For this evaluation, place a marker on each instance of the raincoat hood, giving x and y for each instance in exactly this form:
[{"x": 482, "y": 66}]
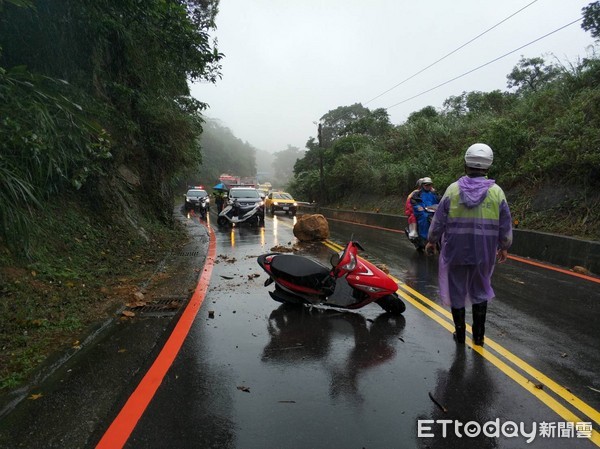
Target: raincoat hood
[{"x": 474, "y": 190}]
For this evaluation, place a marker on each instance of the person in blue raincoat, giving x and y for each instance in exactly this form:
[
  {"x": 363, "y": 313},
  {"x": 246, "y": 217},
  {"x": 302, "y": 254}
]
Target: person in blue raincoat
[
  {"x": 474, "y": 225},
  {"x": 421, "y": 199}
]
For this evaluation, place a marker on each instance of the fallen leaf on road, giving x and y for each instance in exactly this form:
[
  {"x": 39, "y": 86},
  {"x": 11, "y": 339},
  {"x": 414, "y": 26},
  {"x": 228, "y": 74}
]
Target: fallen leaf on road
[
  {"x": 133, "y": 305},
  {"x": 244, "y": 389},
  {"x": 281, "y": 249},
  {"x": 36, "y": 396},
  {"x": 226, "y": 277},
  {"x": 580, "y": 270},
  {"x": 539, "y": 386},
  {"x": 128, "y": 313},
  {"x": 383, "y": 267}
]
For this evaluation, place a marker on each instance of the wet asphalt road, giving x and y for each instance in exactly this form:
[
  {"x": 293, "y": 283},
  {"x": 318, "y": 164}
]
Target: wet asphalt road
[
  {"x": 259, "y": 374},
  {"x": 263, "y": 375}
]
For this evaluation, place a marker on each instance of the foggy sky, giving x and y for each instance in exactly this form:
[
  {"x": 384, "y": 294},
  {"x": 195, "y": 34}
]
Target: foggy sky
[{"x": 288, "y": 62}]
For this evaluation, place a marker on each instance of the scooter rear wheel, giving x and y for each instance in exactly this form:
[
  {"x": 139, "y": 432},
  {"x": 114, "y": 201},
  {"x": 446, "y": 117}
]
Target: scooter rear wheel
[{"x": 392, "y": 304}]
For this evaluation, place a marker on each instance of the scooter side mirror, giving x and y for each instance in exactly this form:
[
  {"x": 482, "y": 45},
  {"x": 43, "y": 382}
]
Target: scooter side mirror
[{"x": 335, "y": 259}]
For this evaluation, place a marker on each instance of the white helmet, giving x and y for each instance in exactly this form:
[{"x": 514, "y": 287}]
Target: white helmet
[
  {"x": 479, "y": 155},
  {"x": 426, "y": 180}
]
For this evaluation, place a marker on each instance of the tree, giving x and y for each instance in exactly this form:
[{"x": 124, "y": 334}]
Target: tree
[
  {"x": 222, "y": 152},
  {"x": 456, "y": 105},
  {"x": 428, "y": 112},
  {"x": 375, "y": 123},
  {"x": 122, "y": 67},
  {"x": 307, "y": 173},
  {"x": 531, "y": 74},
  {"x": 591, "y": 19},
  {"x": 335, "y": 123},
  {"x": 310, "y": 159},
  {"x": 488, "y": 102},
  {"x": 283, "y": 164}
]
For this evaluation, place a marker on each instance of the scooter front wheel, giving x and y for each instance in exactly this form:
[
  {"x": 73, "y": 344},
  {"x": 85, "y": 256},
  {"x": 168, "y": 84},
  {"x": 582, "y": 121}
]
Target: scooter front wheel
[
  {"x": 221, "y": 221},
  {"x": 392, "y": 304}
]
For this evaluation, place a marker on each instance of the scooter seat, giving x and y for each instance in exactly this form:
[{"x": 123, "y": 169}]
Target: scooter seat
[{"x": 300, "y": 270}]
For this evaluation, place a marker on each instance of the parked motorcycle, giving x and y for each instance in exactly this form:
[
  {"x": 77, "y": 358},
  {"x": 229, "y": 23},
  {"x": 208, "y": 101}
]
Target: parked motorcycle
[
  {"x": 197, "y": 199},
  {"x": 239, "y": 212},
  {"x": 420, "y": 240},
  {"x": 203, "y": 207},
  {"x": 351, "y": 283}
]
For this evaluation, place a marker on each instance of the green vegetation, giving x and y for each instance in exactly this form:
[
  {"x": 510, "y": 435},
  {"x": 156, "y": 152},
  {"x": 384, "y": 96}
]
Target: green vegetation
[
  {"x": 96, "y": 127},
  {"x": 95, "y": 86},
  {"x": 222, "y": 152},
  {"x": 82, "y": 267},
  {"x": 545, "y": 133}
]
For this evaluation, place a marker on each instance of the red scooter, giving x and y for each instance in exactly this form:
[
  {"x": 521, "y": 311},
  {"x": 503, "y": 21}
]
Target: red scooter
[{"x": 351, "y": 283}]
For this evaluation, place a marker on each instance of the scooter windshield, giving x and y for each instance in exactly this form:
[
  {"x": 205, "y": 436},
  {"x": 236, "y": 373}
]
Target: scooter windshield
[{"x": 347, "y": 261}]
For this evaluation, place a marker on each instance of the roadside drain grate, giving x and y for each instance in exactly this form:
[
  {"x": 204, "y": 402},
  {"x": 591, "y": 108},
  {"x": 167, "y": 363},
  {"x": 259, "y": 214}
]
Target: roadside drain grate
[
  {"x": 189, "y": 254},
  {"x": 166, "y": 306}
]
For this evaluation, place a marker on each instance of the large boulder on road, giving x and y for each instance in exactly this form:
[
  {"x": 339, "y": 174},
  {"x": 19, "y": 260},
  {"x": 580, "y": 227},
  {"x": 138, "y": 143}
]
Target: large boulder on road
[{"x": 311, "y": 227}]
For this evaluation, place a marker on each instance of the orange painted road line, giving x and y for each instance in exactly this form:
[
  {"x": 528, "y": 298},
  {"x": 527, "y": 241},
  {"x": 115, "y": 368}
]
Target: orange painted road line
[
  {"x": 510, "y": 256},
  {"x": 366, "y": 225},
  {"x": 121, "y": 428},
  {"x": 550, "y": 267}
]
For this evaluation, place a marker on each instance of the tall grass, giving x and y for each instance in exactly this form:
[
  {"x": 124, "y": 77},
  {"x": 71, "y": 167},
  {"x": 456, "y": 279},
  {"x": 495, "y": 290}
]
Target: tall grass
[{"x": 46, "y": 143}]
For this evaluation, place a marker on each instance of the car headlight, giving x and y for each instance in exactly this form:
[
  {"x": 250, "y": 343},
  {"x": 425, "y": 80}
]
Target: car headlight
[
  {"x": 275, "y": 203},
  {"x": 295, "y": 204}
]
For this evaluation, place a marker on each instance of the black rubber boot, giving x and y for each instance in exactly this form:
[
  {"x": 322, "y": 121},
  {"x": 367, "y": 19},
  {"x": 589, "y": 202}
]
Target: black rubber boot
[
  {"x": 479, "y": 311},
  {"x": 458, "y": 315}
]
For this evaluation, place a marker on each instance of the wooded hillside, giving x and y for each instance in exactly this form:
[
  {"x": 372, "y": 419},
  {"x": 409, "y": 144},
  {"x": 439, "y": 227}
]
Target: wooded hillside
[
  {"x": 96, "y": 128},
  {"x": 544, "y": 130},
  {"x": 93, "y": 89}
]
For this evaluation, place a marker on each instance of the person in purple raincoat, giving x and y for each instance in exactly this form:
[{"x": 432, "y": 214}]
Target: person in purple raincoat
[{"x": 474, "y": 226}]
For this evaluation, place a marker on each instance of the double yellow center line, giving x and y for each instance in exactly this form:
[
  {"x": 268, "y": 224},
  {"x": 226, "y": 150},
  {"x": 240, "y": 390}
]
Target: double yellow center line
[{"x": 514, "y": 367}]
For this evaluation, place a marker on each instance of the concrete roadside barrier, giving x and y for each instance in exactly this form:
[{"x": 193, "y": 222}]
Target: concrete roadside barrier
[{"x": 552, "y": 248}]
